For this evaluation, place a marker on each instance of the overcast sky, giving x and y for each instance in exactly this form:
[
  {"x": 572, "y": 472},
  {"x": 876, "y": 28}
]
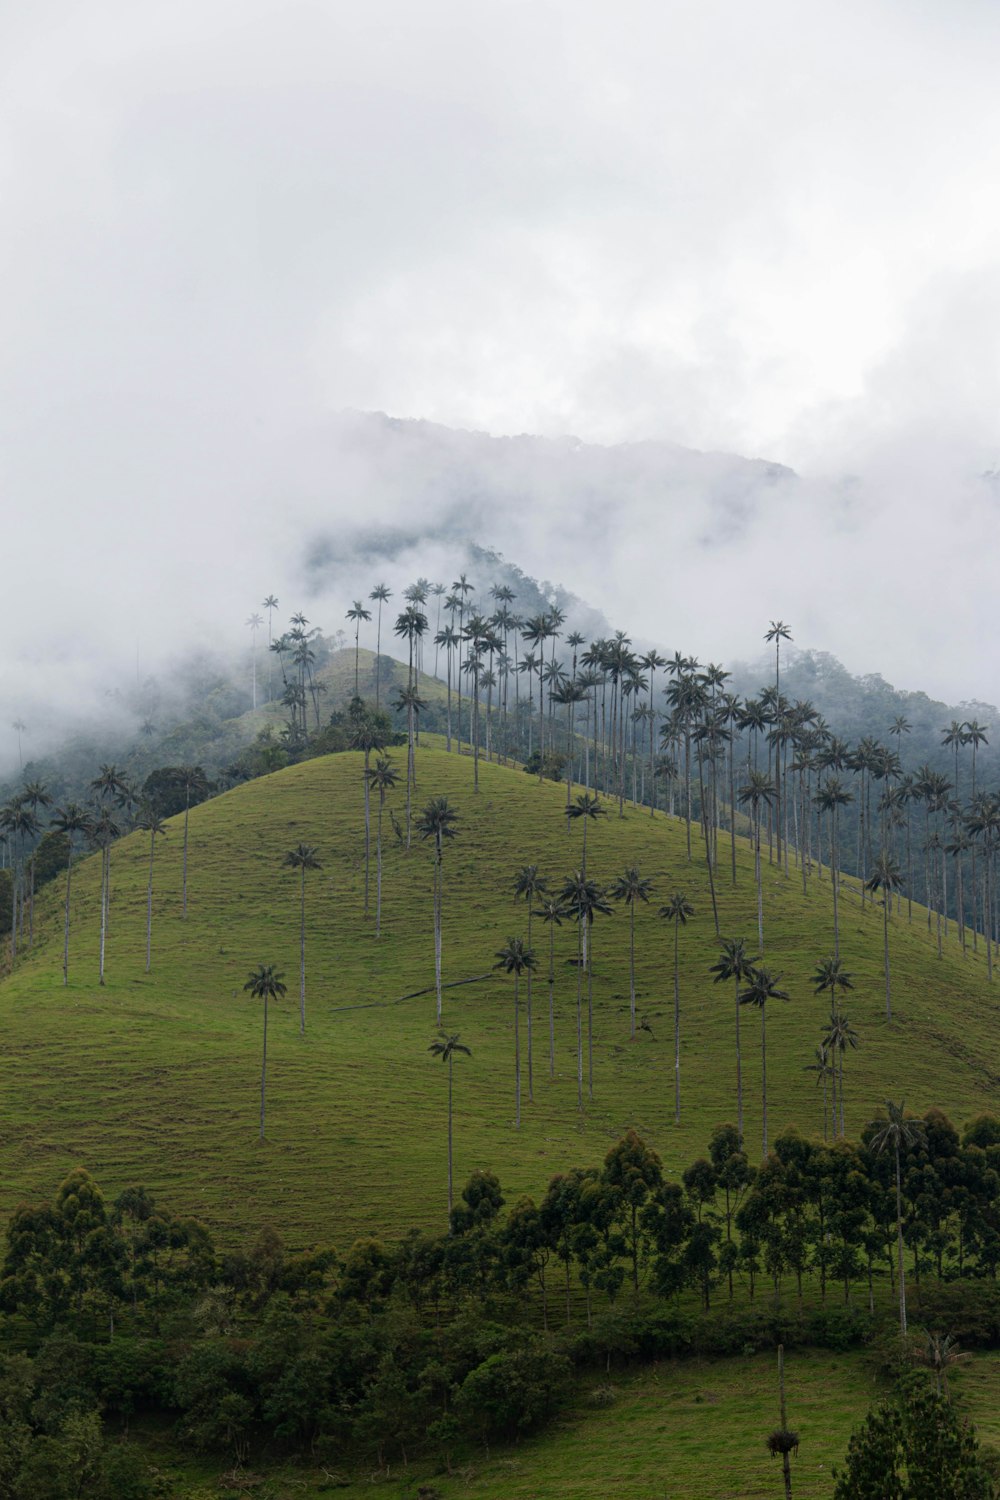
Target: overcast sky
[{"x": 768, "y": 228}]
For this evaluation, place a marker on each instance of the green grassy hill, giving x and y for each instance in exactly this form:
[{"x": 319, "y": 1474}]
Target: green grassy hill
[{"x": 155, "y": 1078}]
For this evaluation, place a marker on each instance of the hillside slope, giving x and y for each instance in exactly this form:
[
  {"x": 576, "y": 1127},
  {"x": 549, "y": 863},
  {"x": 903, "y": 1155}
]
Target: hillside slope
[{"x": 155, "y": 1078}]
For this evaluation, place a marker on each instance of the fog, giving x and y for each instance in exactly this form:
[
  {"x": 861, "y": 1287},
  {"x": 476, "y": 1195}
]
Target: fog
[{"x": 768, "y": 232}]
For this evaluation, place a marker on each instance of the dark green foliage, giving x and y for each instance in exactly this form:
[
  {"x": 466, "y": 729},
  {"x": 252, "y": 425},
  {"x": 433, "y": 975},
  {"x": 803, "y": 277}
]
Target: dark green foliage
[
  {"x": 514, "y": 1390},
  {"x": 49, "y": 859},
  {"x": 169, "y": 789},
  {"x": 914, "y": 1447}
]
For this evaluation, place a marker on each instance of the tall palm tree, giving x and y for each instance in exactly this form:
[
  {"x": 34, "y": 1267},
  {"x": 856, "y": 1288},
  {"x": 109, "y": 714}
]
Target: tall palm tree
[
  {"x": 530, "y": 886},
  {"x": 587, "y": 809},
  {"x": 552, "y": 913},
  {"x": 436, "y": 822},
  {"x": 761, "y": 987},
  {"x": 149, "y": 821},
  {"x": 382, "y": 777},
  {"x": 584, "y": 900},
  {"x": 302, "y": 858},
  {"x": 631, "y": 887},
  {"x": 357, "y": 613},
  {"x": 831, "y": 797},
  {"x": 270, "y": 604},
  {"x": 736, "y": 964},
  {"x": 886, "y": 878},
  {"x": 34, "y": 795},
  {"x": 70, "y": 820},
  {"x": 777, "y": 633},
  {"x": 677, "y": 910},
  {"x": 255, "y": 622},
  {"x": 411, "y": 700},
  {"x": 840, "y": 1035},
  {"x": 105, "y": 828},
  {"x": 517, "y": 959},
  {"x": 448, "y": 638},
  {"x": 369, "y": 732},
  {"x": 380, "y": 594},
  {"x": 446, "y": 1049},
  {"x": 264, "y": 984},
  {"x": 897, "y": 1133},
  {"x": 757, "y": 793},
  {"x": 824, "y": 1070}
]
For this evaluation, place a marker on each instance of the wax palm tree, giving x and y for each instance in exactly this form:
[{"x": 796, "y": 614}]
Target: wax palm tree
[
  {"x": 380, "y": 594},
  {"x": 270, "y": 604},
  {"x": 757, "y": 793},
  {"x": 357, "y": 613},
  {"x": 264, "y": 984},
  {"x": 530, "y": 886},
  {"x": 254, "y": 622},
  {"x": 940, "y": 1352},
  {"x": 34, "y": 795},
  {"x": 584, "y": 900},
  {"x": 777, "y": 633},
  {"x": 829, "y": 977},
  {"x": 447, "y": 1049},
  {"x": 831, "y": 797},
  {"x": 105, "y": 828},
  {"x": 824, "y": 1070},
  {"x": 517, "y": 959},
  {"x": 840, "y": 1036},
  {"x": 70, "y": 820},
  {"x": 410, "y": 700},
  {"x": 436, "y": 822},
  {"x": 552, "y": 912},
  {"x": 302, "y": 858},
  {"x": 149, "y": 821},
  {"x": 382, "y": 777},
  {"x": 677, "y": 910},
  {"x": 762, "y": 986},
  {"x": 631, "y": 887},
  {"x": 735, "y": 964},
  {"x": 587, "y": 809},
  {"x": 887, "y": 879},
  {"x": 897, "y": 1133},
  {"x": 448, "y": 638},
  {"x": 369, "y": 732}
]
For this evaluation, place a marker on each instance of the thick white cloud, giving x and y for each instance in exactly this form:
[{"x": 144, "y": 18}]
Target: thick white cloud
[{"x": 768, "y": 228}]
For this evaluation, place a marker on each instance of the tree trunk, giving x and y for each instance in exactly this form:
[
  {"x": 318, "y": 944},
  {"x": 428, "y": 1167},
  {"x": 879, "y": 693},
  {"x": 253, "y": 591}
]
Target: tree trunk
[
  {"x": 677, "y": 1030},
  {"x": 149, "y": 904},
  {"x": 302, "y": 954},
  {"x": 69, "y": 871},
  {"x": 517, "y": 1054},
  {"x": 263, "y": 1072}
]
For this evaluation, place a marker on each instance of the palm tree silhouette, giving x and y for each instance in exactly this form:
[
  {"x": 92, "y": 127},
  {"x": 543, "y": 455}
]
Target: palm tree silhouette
[
  {"x": 270, "y": 604},
  {"x": 357, "y": 613},
  {"x": 383, "y": 778},
  {"x": 446, "y": 1049},
  {"x": 264, "y": 984},
  {"x": 777, "y": 633},
  {"x": 435, "y": 822},
  {"x": 70, "y": 820},
  {"x": 380, "y": 594},
  {"x": 150, "y": 822},
  {"x": 584, "y": 900},
  {"x": 897, "y": 1133},
  {"x": 302, "y": 858},
  {"x": 839, "y": 1036},
  {"x": 532, "y": 887},
  {"x": 761, "y": 987},
  {"x": 735, "y": 964},
  {"x": 552, "y": 912},
  {"x": 677, "y": 910},
  {"x": 411, "y": 700},
  {"x": 887, "y": 879},
  {"x": 587, "y": 808},
  {"x": 34, "y": 795},
  {"x": 824, "y": 1070},
  {"x": 631, "y": 887},
  {"x": 830, "y": 798},
  {"x": 757, "y": 794},
  {"x": 515, "y": 958},
  {"x": 195, "y": 784},
  {"x": 255, "y": 622}
]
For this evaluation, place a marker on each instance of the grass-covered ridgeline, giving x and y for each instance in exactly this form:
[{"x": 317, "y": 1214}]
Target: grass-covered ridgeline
[{"x": 155, "y": 1078}]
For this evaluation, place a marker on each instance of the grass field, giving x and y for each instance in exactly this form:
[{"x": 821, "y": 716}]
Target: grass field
[
  {"x": 691, "y": 1430},
  {"x": 155, "y": 1078}
]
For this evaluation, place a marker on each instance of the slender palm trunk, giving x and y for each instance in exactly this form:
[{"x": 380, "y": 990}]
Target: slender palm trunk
[
  {"x": 451, "y": 1199},
  {"x": 368, "y": 827},
  {"x": 378, "y": 655},
  {"x": 589, "y": 942},
  {"x": 579, "y": 1015},
  {"x": 677, "y": 1027},
  {"x": 887, "y": 898},
  {"x": 552, "y": 1013},
  {"x": 739, "y": 1069},
  {"x": 105, "y": 882},
  {"x": 760, "y": 889},
  {"x": 263, "y": 1072},
  {"x": 531, "y": 1063},
  {"x": 437, "y": 929},
  {"x": 517, "y": 1053},
  {"x": 302, "y": 952},
  {"x": 378, "y": 867},
  {"x": 184, "y": 864}
]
